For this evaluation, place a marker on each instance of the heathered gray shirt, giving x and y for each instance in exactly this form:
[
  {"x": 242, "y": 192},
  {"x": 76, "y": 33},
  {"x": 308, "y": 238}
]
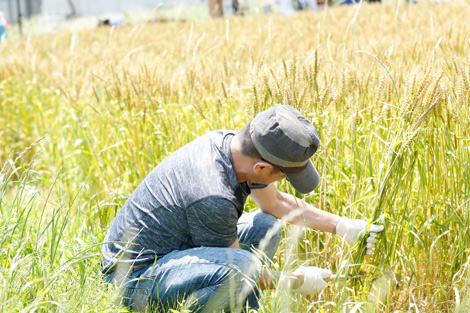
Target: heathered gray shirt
[{"x": 191, "y": 199}]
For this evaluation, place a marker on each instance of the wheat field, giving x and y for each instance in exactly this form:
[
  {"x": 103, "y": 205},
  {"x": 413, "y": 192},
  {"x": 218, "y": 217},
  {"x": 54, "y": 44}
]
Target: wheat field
[{"x": 86, "y": 114}]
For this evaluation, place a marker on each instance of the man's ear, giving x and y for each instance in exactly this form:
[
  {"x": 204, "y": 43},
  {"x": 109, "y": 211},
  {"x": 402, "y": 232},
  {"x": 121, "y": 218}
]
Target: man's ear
[{"x": 261, "y": 165}]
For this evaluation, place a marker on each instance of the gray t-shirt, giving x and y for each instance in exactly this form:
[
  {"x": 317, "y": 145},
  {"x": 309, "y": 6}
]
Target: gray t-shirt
[{"x": 191, "y": 199}]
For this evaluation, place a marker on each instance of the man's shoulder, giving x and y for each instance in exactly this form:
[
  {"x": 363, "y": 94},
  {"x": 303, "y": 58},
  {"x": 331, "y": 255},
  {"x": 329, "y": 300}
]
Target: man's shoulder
[
  {"x": 218, "y": 134},
  {"x": 204, "y": 146},
  {"x": 215, "y": 138},
  {"x": 199, "y": 169}
]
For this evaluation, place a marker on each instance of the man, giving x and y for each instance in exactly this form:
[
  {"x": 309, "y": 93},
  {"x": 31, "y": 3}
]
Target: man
[{"x": 181, "y": 236}]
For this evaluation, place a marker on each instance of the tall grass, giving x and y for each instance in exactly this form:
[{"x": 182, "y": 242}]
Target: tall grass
[
  {"x": 48, "y": 261},
  {"x": 387, "y": 87}
]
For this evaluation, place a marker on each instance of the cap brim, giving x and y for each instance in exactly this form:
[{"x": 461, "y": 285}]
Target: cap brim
[{"x": 306, "y": 180}]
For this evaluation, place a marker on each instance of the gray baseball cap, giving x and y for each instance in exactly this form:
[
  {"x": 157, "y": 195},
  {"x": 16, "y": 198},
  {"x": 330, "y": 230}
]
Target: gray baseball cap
[{"x": 287, "y": 140}]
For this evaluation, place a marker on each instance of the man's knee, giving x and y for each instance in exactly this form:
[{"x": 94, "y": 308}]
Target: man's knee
[
  {"x": 271, "y": 227},
  {"x": 265, "y": 220},
  {"x": 245, "y": 262},
  {"x": 225, "y": 277}
]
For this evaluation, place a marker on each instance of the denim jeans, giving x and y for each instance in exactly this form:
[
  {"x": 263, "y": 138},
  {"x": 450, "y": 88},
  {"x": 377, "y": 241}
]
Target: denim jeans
[{"x": 205, "y": 279}]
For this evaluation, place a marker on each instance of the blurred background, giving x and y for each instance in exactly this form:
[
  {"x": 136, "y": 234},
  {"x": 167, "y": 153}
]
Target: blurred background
[{"x": 44, "y": 15}]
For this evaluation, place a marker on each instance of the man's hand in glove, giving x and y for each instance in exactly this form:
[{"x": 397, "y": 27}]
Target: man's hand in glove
[{"x": 350, "y": 230}]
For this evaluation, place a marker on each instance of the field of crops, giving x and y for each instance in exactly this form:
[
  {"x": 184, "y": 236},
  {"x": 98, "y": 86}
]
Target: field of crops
[{"x": 85, "y": 115}]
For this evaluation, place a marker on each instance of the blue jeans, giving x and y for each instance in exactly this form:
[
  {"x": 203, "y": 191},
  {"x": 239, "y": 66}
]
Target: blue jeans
[{"x": 206, "y": 279}]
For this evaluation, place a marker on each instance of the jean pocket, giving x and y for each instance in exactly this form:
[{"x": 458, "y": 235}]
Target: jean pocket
[{"x": 137, "y": 298}]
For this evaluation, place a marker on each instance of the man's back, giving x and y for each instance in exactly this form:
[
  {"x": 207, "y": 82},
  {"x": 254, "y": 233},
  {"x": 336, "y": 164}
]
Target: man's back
[{"x": 191, "y": 199}]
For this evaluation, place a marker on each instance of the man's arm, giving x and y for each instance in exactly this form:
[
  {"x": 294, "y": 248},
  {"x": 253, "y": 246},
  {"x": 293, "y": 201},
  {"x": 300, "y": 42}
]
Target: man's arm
[
  {"x": 292, "y": 209},
  {"x": 296, "y": 211}
]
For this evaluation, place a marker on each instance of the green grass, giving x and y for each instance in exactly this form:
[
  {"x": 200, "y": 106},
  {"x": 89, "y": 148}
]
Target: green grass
[{"x": 387, "y": 87}]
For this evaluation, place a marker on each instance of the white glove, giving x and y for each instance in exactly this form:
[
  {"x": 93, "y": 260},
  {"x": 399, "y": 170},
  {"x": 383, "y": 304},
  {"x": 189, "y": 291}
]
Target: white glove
[
  {"x": 314, "y": 279},
  {"x": 350, "y": 230}
]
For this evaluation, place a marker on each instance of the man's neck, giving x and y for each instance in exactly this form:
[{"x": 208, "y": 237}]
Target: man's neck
[{"x": 242, "y": 164}]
